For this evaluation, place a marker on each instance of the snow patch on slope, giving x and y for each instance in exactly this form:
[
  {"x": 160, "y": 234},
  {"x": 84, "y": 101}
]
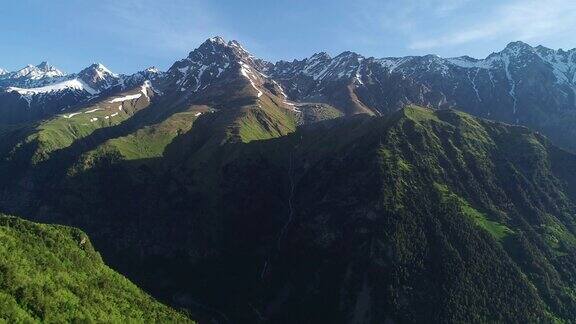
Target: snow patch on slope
[
  {"x": 126, "y": 98},
  {"x": 563, "y": 65},
  {"x": 65, "y": 85},
  {"x": 512, "y": 92},
  {"x": 473, "y": 82},
  {"x": 468, "y": 63},
  {"x": 143, "y": 91},
  {"x": 393, "y": 63},
  {"x": 245, "y": 70}
]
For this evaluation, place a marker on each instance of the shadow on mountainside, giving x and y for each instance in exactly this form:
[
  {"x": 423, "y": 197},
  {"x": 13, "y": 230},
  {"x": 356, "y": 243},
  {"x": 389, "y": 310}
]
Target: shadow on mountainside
[{"x": 399, "y": 217}]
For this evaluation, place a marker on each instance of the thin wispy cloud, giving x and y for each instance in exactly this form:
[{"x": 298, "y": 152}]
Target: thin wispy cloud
[
  {"x": 130, "y": 35},
  {"x": 520, "y": 20},
  {"x": 168, "y": 26},
  {"x": 444, "y": 8},
  {"x": 377, "y": 22}
]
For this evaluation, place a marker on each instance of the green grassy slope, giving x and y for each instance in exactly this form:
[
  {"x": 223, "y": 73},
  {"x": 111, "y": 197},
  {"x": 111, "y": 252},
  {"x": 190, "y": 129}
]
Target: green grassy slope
[
  {"x": 419, "y": 216},
  {"x": 416, "y": 216},
  {"x": 144, "y": 144},
  {"x": 36, "y": 142},
  {"x": 150, "y": 141},
  {"x": 51, "y": 273},
  {"x": 451, "y": 200},
  {"x": 262, "y": 120}
]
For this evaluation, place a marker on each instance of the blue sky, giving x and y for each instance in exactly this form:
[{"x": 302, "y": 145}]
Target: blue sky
[{"x": 130, "y": 35}]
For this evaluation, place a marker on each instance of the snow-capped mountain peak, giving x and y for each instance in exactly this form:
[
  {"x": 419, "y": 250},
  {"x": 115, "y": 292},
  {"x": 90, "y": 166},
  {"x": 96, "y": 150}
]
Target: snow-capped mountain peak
[
  {"x": 214, "y": 60},
  {"x": 2, "y": 71},
  {"x": 518, "y": 46},
  {"x": 40, "y": 71},
  {"x": 219, "y": 66},
  {"x": 98, "y": 77},
  {"x": 45, "y": 66},
  {"x": 152, "y": 69},
  {"x": 101, "y": 71},
  {"x": 150, "y": 74},
  {"x": 218, "y": 46},
  {"x": 321, "y": 56},
  {"x": 237, "y": 44},
  {"x": 321, "y": 66},
  {"x": 563, "y": 63},
  {"x": 217, "y": 40}
]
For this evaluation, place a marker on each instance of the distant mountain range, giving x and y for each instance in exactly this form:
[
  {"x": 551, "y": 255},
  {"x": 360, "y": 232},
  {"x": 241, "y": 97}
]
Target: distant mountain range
[
  {"x": 39, "y": 92},
  {"x": 532, "y": 86},
  {"x": 344, "y": 189}
]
